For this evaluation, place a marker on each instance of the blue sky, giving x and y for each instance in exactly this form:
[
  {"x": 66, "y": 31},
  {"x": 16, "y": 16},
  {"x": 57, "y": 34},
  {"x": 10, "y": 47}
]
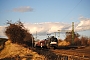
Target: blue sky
[
  {"x": 44, "y": 10},
  {"x": 41, "y": 11}
]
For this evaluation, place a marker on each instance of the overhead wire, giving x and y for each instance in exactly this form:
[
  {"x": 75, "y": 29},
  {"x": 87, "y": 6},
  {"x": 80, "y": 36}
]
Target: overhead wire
[{"x": 72, "y": 9}]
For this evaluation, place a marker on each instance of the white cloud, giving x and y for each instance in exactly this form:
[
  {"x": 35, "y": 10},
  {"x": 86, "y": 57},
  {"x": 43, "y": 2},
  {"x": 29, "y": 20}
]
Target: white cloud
[
  {"x": 84, "y": 24},
  {"x": 2, "y": 30},
  {"x": 51, "y": 27},
  {"x": 23, "y": 9},
  {"x": 47, "y": 27}
]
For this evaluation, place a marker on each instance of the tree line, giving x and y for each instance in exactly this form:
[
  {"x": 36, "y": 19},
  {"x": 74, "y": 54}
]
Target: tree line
[{"x": 78, "y": 40}]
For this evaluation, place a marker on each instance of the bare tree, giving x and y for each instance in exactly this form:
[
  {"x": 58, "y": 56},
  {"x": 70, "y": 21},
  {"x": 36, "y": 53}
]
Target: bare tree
[
  {"x": 17, "y": 33},
  {"x": 84, "y": 40},
  {"x": 69, "y": 37},
  {"x": 88, "y": 41}
]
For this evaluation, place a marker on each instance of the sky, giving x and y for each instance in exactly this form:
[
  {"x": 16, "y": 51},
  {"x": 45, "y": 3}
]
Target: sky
[{"x": 47, "y": 16}]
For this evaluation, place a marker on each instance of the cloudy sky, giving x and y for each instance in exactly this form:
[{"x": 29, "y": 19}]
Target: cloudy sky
[{"x": 47, "y": 16}]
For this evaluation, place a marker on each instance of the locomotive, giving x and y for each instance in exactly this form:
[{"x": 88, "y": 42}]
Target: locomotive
[{"x": 51, "y": 42}]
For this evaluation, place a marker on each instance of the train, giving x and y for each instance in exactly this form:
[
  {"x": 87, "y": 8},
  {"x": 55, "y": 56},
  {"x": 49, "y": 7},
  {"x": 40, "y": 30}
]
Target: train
[{"x": 50, "y": 42}]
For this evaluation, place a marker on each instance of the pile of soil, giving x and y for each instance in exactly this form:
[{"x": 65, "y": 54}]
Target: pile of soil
[{"x": 15, "y": 51}]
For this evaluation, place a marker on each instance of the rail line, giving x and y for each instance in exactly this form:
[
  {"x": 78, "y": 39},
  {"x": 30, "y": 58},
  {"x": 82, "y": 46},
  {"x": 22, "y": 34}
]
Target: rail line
[{"x": 51, "y": 54}]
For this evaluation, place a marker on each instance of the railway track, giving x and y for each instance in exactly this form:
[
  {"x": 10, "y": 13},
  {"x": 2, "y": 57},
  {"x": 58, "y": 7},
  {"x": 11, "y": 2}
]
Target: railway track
[
  {"x": 57, "y": 54},
  {"x": 72, "y": 54},
  {"x": 49, "y": 55}
]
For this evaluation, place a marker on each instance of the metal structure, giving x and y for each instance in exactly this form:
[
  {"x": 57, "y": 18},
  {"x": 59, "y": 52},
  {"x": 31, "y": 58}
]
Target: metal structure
[
  {"x": 61, "y": 31},
  {"x": 52, "y": 41},
  {"x": 72, "y": 32},
  {"x": 36, "y": 35}
]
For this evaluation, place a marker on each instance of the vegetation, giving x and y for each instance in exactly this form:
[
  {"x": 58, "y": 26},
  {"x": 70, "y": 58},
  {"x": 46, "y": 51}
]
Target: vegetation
[
  {"x": 17, "y": 33},
  {"x": 78, "y": 41},
  {"x": 2, "y": 43}
]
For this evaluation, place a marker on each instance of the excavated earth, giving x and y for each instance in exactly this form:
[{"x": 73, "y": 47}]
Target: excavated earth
[{"x": 13, "y": 51}]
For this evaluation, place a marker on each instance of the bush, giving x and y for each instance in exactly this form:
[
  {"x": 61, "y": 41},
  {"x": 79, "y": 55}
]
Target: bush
[{"x": 17, "y": 33}]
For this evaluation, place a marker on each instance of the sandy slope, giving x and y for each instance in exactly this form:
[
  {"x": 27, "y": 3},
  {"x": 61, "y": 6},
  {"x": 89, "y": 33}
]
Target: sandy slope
[{"x": 13, "y": 50}]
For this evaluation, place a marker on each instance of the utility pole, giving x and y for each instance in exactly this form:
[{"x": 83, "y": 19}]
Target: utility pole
[
  {"x": 36, "y": 35},
  {"x": 72, "y": 32},
  {"x": 59, "y": 34},
  {"x": 55, "y": 34}
]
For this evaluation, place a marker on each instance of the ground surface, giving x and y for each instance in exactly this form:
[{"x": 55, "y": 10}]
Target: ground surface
[
  {"x": 57, "y": 54},
  {"x": 77, "y": 52},
  {"x": 15, "y": 51}
]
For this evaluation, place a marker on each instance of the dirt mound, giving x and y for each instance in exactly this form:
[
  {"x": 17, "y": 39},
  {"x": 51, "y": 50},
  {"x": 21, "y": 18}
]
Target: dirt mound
[
  {"x": 63, "y": 43},
  {"x": 14, "y": 50}
]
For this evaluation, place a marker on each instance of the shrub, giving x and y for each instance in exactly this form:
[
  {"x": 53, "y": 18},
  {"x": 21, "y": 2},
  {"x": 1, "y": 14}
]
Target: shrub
[{"x": 17, "y": 33}]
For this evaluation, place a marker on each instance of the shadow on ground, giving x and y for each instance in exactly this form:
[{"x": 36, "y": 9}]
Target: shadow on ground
[{"x": 49, "y": 55}]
